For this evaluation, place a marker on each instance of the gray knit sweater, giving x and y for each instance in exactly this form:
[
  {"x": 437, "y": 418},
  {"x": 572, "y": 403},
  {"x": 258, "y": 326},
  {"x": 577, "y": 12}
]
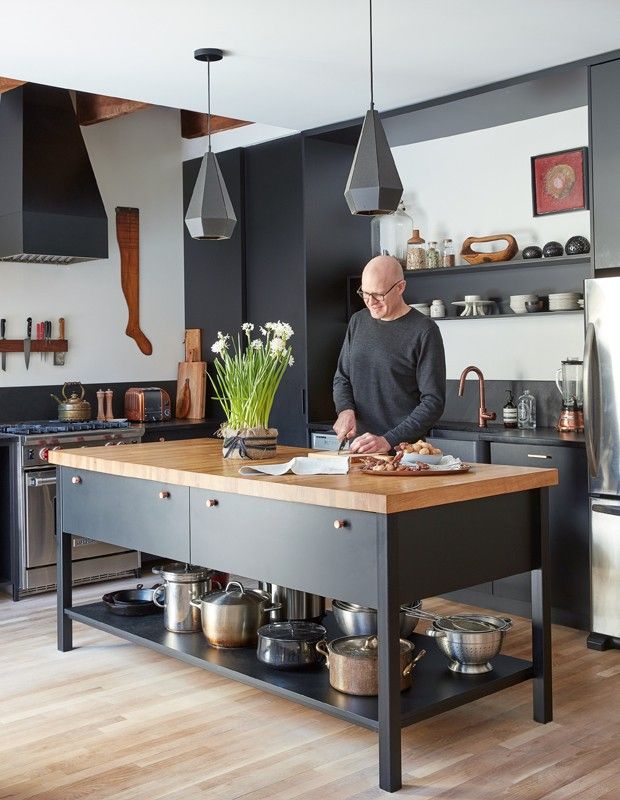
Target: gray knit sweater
[{"x": 393, "y": 375}]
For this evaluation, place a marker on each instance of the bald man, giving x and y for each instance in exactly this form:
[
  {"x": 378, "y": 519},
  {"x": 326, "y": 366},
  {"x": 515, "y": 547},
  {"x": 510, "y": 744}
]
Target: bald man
[{"x": 390, "y": 383}]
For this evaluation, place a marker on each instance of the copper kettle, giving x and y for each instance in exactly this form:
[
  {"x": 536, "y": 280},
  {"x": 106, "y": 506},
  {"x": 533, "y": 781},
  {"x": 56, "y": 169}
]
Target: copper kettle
[{"x": 73, "y": 408}]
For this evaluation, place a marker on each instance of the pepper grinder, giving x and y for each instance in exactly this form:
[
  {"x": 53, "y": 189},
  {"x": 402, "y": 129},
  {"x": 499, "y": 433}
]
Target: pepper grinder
[
  {"x": 109, "y": 414},
  {"x": 100, "y": 405}
]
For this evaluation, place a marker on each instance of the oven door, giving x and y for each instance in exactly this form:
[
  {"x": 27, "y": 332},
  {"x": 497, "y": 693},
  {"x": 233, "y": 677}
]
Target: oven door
[{"x": 40, "y": 497}]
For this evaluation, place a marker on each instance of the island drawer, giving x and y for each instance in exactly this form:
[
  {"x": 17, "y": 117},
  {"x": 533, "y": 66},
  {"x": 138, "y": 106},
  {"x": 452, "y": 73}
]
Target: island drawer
[
  {"x": 327, "y": 551},
  {"x": 130, "y": 512}
]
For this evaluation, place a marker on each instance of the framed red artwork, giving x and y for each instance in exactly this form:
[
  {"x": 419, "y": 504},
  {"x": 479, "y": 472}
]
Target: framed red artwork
[{"x": 559, "y": 182}]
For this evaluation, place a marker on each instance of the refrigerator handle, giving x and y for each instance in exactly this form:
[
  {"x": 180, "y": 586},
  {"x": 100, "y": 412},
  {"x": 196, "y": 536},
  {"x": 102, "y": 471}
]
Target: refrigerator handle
[
  {"x": 599, "y": 509},
  {"x": 591, "y": 399}
]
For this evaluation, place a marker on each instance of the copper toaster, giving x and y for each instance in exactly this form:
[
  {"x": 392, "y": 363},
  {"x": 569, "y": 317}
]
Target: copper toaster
[{"x": 147, "y": 404}]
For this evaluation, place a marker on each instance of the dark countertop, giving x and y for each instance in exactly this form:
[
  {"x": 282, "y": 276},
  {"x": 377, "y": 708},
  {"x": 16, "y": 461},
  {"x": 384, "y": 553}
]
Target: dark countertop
[
  {"x": 494, "y": 432},
  {"x": 176, "y": 424}
]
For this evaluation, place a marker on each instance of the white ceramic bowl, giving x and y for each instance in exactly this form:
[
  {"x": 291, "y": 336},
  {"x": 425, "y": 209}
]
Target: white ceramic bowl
[{"x": 411, "y": 458}]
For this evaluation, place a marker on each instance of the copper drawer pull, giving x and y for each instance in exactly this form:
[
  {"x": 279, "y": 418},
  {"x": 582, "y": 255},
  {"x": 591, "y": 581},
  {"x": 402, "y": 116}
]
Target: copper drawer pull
[
  {"x": 164, "y": 495},
  {"x": 537, "y": 455},
  {"x": 76, "y": 479},
  {"x": 340, "y": 523},
  {"x": 211, "y": 503}
]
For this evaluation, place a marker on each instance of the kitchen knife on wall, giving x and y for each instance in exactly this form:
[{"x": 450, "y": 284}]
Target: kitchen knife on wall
[
  {"x": 3, "y": 336},
  {"x": 27, "y": 341},
  {"x": 59, "y": 358}
]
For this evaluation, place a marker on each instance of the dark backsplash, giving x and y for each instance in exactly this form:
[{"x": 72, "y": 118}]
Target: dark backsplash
[
  {"x": 25, "y": 403},
  {"x": 465, "y": 409}
]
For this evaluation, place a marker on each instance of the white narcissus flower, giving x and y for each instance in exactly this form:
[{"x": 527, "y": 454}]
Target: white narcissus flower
[
  {"x": 248, "y": 327},
  {"x": 221, "y": 344},
  {"x": 276, "y": 346},
  {"x": 256, "y": 344},
  {"x": 291, "y": 361},
  {"x": 263, "y": 331},
  {"x": 270, "y": 326},
  {"x": 283, "y": 330}
]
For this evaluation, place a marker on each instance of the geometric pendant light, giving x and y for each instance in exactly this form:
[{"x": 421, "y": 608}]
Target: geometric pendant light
[
  {"x": 374, "y": 186},
  {"x": 210, "y": 214}
]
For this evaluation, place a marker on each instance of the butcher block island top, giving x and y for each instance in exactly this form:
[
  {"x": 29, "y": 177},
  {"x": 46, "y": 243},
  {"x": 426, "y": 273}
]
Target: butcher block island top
[{"x": 198, "y": 463}]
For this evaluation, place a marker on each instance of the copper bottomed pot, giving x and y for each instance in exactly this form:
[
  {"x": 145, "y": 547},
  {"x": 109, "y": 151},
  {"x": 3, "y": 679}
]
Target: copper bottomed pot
[{"x": 353, "y": 664}]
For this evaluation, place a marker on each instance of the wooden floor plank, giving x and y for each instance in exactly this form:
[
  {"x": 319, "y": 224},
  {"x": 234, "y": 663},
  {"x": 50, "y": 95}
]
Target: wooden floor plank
[{"x": 113, "y": 721}]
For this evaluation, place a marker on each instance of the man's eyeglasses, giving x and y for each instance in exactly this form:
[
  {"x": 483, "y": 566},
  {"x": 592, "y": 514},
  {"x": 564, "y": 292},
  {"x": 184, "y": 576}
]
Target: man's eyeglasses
[{"x": 379, "y": 297}]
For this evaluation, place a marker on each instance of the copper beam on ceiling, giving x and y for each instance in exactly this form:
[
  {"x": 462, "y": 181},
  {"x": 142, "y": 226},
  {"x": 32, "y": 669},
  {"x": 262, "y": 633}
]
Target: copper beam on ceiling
[
  {"x": 94, "y": 108},
  {"x": 6, "y": 84},
  {"x": 194, "y": 124}
]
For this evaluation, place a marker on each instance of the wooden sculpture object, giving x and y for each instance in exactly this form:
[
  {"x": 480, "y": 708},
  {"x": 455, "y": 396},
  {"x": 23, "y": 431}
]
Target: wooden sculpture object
[
  {"x": 128, "y": 237},
  {"x": 474, "y": 257}
]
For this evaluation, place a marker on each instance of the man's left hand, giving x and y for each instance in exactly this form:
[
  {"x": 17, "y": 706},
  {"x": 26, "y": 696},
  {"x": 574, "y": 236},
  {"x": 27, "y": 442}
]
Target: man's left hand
[{"x": 369, "y": 443}]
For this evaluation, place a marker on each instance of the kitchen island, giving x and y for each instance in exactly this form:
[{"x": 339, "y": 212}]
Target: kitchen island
[{"x": 369, "y": 539}]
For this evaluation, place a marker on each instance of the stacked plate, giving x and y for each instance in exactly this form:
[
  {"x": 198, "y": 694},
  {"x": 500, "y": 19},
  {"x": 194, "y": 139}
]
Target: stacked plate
[
  {"x": 564, "y": 301},
  {"x": 518, "y": 301}
]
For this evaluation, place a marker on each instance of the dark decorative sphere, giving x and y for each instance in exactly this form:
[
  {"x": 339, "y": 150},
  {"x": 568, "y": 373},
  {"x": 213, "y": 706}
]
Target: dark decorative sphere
[
  {"x": 552, "y": 249},
  {"x": 532, "y": 252},
  {"x": 577, "y": 245}
]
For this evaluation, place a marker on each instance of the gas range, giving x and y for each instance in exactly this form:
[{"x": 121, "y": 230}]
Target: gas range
[{"x": 37, "y": 438}]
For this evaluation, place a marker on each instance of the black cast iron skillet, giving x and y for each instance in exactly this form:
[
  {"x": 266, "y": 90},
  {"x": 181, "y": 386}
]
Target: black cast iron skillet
[{"x": 132, "y": 602}]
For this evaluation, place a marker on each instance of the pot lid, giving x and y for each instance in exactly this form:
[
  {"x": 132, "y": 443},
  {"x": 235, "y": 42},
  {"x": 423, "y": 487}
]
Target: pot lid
[
  {"x": 235, "y": 595},
  {"x": 296, "y": 631},
  {"x": 178, "y": 572},
  {"x": 469, "y": 623},
  {"x": 362, "y": 646}
]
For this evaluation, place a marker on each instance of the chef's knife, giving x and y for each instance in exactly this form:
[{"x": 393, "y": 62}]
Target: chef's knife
[
  {"x": 48, "y": 333},
  {"x": 3, "y": 336},
  {"x": 27, "y": 341},
  {"x": 59, "y": 358}
]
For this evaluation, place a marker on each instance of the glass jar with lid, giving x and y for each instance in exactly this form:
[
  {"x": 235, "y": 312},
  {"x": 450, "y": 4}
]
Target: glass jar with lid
[
  {"x": 432, "y": 256},
  {"x": 389, "y": 234},
  {"x": 416, "y": 254},
  {"x": 448, "y": 257}
]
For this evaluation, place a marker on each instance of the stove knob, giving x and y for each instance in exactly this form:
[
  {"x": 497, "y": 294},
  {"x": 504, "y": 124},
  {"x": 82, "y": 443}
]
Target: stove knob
[
  {"x": 109, "y": 444},
  {"x": 44, "y": 453},
  {"x": 117, "y": 444}
]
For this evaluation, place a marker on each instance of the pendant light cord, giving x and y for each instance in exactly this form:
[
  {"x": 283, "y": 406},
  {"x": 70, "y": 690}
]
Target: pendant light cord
[
  {"x": 372, "y": 97},
  {"x": 209, "y": 103}
]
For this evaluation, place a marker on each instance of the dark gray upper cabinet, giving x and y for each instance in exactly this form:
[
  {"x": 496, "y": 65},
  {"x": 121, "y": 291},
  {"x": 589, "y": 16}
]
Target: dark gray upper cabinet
[{"x": 605, "y": 163}]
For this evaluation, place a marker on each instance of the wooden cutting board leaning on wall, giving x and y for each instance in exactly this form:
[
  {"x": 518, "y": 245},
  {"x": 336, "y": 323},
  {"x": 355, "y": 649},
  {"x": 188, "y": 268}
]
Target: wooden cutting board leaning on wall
[{"x": 191, "y": 379}]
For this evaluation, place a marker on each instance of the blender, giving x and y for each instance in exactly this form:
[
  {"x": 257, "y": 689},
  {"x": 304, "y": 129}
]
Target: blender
[{"x": 570, "y": 386}]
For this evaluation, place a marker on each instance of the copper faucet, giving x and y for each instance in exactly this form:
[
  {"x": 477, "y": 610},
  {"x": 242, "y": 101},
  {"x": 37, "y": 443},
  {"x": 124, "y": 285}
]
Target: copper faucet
[{"x": 483, "y": 414}]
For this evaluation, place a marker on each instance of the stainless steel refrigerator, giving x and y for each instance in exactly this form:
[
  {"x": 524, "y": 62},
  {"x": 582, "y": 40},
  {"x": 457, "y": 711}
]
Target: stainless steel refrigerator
[{"x": 601, "y": 407}]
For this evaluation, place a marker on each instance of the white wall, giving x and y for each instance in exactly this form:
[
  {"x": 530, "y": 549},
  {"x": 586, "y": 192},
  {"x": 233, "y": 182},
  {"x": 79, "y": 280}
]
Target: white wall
[
  {"x": 138, "y": 162},
  {"x": 476, "y": 184}
]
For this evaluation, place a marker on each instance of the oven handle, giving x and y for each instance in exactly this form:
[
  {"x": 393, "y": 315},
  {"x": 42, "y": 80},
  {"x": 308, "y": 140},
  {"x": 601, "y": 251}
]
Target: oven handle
[{"x": 36, "y": 482}]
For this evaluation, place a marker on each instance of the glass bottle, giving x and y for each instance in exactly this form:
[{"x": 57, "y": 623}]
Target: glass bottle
[
  {"x": 416, "y": 254},
  {"x": 448, "y": 257},
  {"x": 509, "y": 411},
  {"x": 526, "y": 410},
  {"x": 432, "y": 255},
  {"x": 389, "y": 234}
]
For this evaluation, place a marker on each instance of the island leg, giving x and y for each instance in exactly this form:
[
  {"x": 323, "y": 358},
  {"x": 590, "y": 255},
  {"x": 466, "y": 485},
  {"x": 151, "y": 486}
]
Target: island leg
[
  {"x": 388, "y": 624},
  {"x": 541, "y": 618},
  {"x": 64, "y": 577}
]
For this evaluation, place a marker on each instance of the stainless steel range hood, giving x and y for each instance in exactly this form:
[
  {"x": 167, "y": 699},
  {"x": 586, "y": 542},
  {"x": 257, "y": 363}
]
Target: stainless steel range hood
[{"x": 50, "y": 206}]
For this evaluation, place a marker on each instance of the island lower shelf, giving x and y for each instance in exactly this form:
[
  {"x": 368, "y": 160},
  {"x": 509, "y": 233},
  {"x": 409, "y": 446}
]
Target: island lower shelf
[{"x": 435, "y": 688}]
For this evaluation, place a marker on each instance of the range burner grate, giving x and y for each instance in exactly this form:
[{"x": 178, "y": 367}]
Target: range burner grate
[{"x": 56, "y": 426}]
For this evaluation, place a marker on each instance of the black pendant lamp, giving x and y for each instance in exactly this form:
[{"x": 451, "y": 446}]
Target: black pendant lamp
[
  {"x": 210, "y": 214},
  {"x": 374, "y": 186}
]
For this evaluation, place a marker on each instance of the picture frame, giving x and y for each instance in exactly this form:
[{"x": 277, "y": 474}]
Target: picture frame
[{"x": 559, "y": 182}]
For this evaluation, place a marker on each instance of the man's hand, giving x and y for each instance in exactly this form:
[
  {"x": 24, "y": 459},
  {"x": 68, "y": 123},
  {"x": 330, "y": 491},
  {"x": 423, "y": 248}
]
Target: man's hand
[
  {"x": 345, "y": 425},
  {"x": 369, "y": 443}
]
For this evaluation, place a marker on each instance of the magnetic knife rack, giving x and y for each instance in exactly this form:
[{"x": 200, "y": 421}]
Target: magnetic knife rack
[{"x": 36, "y": 346}]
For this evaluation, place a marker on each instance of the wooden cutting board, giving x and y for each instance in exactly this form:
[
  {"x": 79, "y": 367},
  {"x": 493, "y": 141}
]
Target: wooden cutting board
[
  {"x": 195, "y": 374},
  {"x": 342, "y": 454}
]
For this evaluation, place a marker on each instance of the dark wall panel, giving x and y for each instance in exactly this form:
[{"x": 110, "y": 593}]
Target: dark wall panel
[
  {"x": 275, "y": 265},
  {"x": 214, "y": 270},
  {"x": 337, "y": 245}
]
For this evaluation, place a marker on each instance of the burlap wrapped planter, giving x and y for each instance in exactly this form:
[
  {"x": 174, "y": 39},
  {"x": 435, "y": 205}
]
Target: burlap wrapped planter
[{"x": 249, "y": 443}]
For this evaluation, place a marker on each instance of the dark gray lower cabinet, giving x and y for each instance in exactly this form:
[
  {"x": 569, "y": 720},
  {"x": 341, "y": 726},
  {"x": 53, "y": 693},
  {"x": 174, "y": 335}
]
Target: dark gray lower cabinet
[
  {"x": 130, "y": 512},
  {"x": 568, "y": 534}
]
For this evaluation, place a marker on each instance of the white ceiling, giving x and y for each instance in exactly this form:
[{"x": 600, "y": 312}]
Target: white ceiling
[{"x": 291, "y": 64}]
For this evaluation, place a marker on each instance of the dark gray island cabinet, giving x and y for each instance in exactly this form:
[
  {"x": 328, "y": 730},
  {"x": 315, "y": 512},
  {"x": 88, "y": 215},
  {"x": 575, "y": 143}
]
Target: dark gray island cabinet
[{"x": 370, "y": 539}]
